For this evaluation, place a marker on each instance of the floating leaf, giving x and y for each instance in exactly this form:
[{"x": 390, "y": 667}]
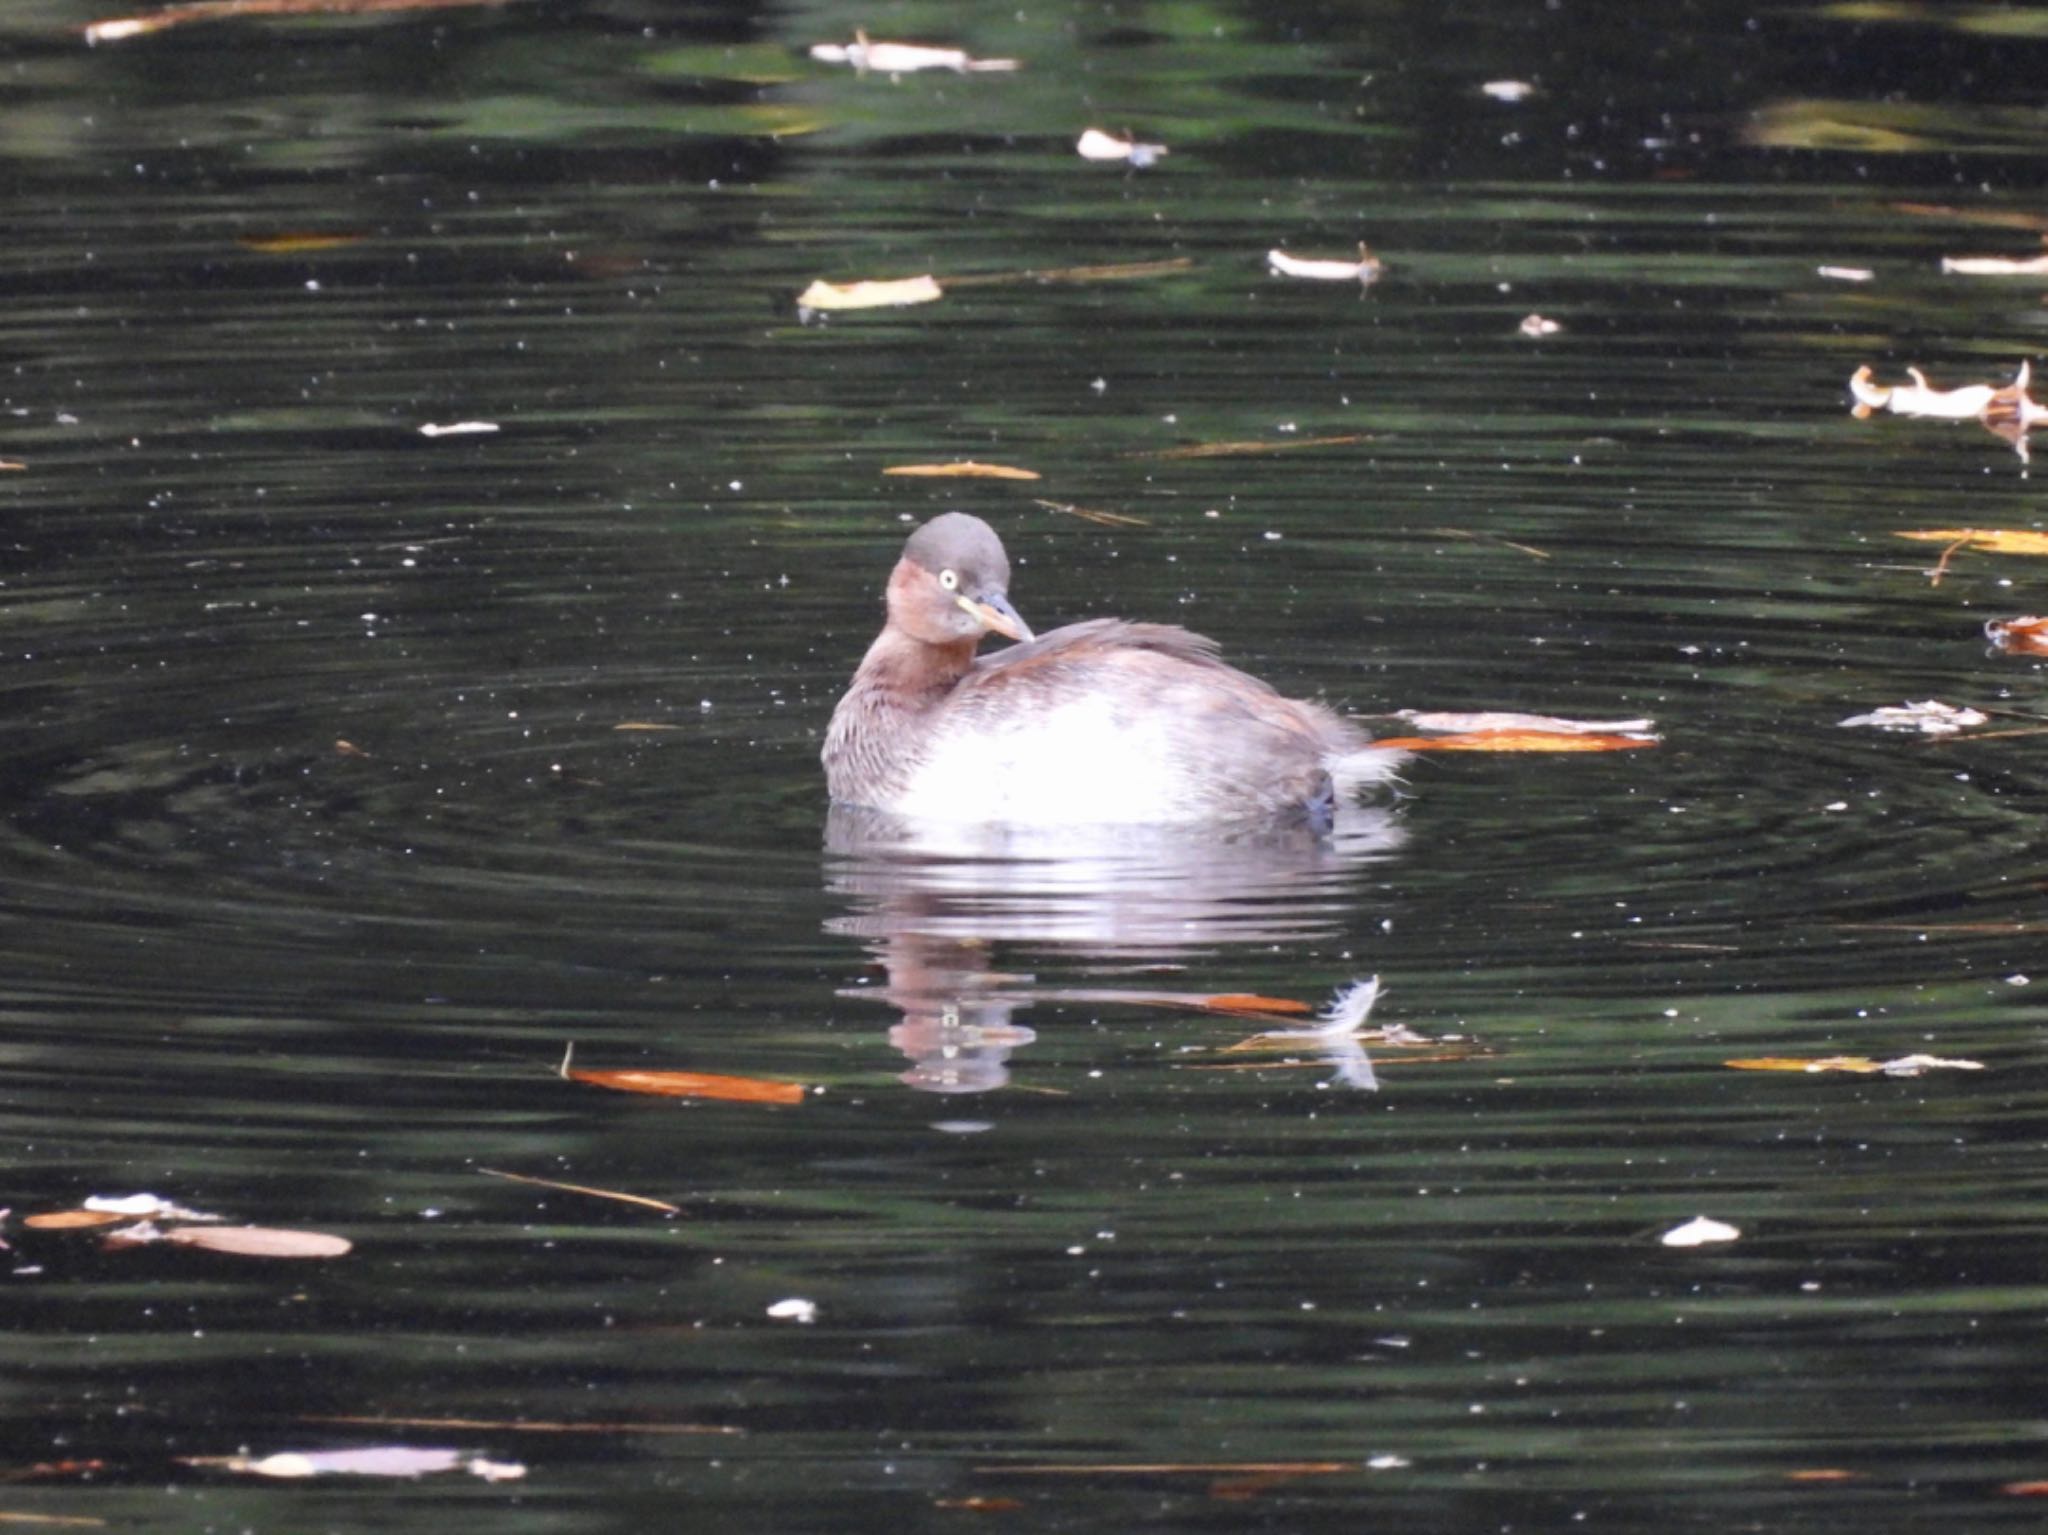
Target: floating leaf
[
  {"x": 1698, "y": 1232},
  {"x": 1517, "y": 741},
  {"x": 2021, "y": 636},
  {"x": 458, "y": 429},
  {"x": 965, "y": 469},
  {"x": 1859, "y": 1065},
  {"x": 119, "y": 28},
  {"x": 1845, "y": 273},
  {"x": 1097, "y": 145},
  {"x": 1253, "y": 448},
  {"x": 1990, "y": 540},
  {"x": 1509, "y": 91},
  {"x": 868, "y": 293},
  {"x": 694, "y": 1084},
  {"x": 1451, "y": 723},
  {"x": 795, "y": 1309},
  {"x": 687, "y": 1084},
  {"x": 1918, "y": 398},
  {"x": 292, "y": 242},
  {"x": 260, "y": 1241},
  {"x": 72, "y": 1220},
  {"x": 1366, "y": 269},
  {"x": 1536, "y": 326}
]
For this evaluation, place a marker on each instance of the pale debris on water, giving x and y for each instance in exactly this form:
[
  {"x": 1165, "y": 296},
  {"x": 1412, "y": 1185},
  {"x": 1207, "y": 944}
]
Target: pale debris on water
[
  {"x": 1335, "y": 1033},
  {"x": 1928, "y": 717},
  {"x": 905, "y": 58},
  {"x": 1508, "y": 90},
  {"x": 1366, "y": 269},
  {"x": 1846, "y": 273},
  {"x": 458, "y": 428},
  {"x": 868, "y": 293},
  {"x": 1996, "y": 266},
  {"x": 1920, "y": 398},
  {"x": 1453, "y": 723},
  {"x": 144, "y": 1207},
  {"x": 1698, "y": 1232},
  {"x": 795, "y": 1309},
  {"x": 1097, "y": 145},
  {"x": 397, "y": 1460}
]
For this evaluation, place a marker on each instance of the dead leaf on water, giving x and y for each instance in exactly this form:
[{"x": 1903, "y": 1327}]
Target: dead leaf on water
[
  {"x": 61, "y": 1521},
  {"x": 260, "y": 1241},
  {"x": 1990, "y": 540},
  {"x": 1252, "y": 448},
  {"x": 868, "y": 293},
  {"x": 964, "y": 469},
  {"x": 688, "y": 1084},
  {"x": 1445, "y": 722},
  {"x": 8, "y": 463},
  {"x": 1178, "y": 1468},
  {"x": 644, "y": 725},
  {"x": 1858, "y": 1065},
  {"x": 72, "y": 1220},
  {"x": 292, "y": 242},
  {"x": 1518, "y": 741},
  {"x": 120, "y": 28}
]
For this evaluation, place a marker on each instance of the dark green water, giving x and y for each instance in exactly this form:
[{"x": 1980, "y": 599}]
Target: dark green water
[{"x": 320, "y": 986}]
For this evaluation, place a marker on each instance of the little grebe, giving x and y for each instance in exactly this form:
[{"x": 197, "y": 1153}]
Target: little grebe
[{"x": 1100, "y": 722}]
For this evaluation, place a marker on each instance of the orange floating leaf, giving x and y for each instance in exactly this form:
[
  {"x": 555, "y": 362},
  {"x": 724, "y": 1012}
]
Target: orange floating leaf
[
  {"x": 687, "y": 1084},
  {"x": 693, "y": 1084},
  {"x": 260, "y": 1241},
  {"x": 2025, "y": 1489},
  {"x": 965, "y": 469},
  {"x": 1237, "y": 1003},
  {"x": 291, "y": 242},
  {"x": 72, "y": 1220},
  {"x": 1517, "y": 741}
]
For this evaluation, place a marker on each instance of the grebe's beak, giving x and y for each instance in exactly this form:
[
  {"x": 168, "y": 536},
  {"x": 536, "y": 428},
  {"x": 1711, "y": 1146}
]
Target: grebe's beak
[{"x": 994, "y": 612}]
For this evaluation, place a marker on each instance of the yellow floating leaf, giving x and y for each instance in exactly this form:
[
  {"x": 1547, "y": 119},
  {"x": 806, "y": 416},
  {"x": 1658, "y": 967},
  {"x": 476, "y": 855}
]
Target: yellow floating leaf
[
  {"x": 1517, "y": 741},
  {"x": 869, "y": 293},
  {"x": 1992, "y": 540},
  {"x": 965, "y": 469},
  {"x": 1861, "y": 1064}
]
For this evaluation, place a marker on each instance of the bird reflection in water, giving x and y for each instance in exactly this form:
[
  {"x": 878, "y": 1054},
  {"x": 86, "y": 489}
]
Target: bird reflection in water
[{"x": 932, "y": 900}]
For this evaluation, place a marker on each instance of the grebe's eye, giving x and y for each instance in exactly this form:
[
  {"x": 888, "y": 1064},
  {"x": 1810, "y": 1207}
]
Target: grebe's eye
[{"x": 950, "y": 580}]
